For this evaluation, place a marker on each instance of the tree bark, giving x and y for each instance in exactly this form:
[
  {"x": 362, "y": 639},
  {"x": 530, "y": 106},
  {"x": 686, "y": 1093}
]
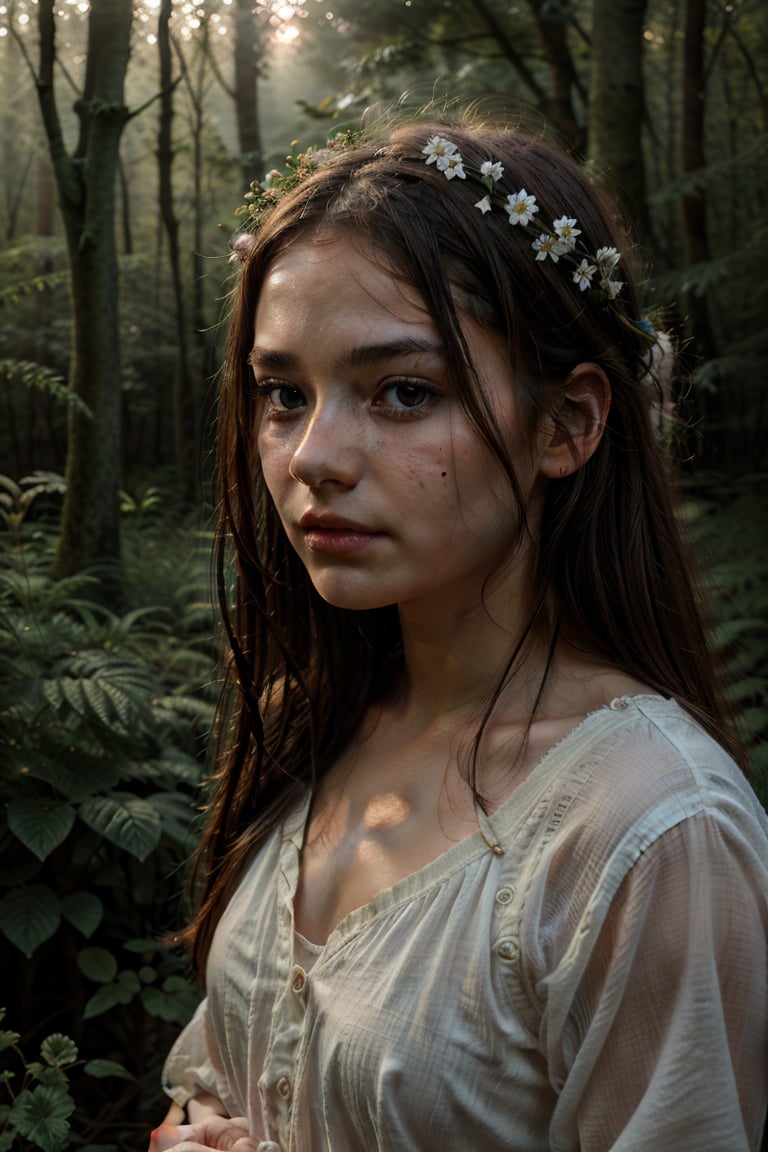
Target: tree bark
[
  {"x": 86, "y": 186},
  {"x": 553, "y": 33},
  {"x": 694, "y": 205},
  {"x": 247, "y": 59},
  {"x": 183, "y": 390},
  {"x": 616, "y": 105}
]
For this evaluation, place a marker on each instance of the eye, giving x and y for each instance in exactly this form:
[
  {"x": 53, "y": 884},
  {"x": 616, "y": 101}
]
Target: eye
[
  {"x": 281, "y": 397},
  {"x": 408, "y": 395}
]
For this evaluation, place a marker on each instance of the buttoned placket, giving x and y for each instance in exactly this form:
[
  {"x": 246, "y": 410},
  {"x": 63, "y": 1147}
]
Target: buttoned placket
[{"x": 277, "y": 1082}]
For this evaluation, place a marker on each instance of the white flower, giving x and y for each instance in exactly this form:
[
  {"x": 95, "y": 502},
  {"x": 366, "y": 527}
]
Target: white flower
[
  {"x": 611, "y": 287},
  {"x": 438, "y": 148},
  {"x": 583, "y": 275},
  {"x": 484, "y": 205},
  {"x": 566, "y": 231},
  {"x": 607, "y": 259},
  {"x": 566, "y": 228},
  {"x": 493, "y": 169},
  {"x": 452, "y": 166},
  {"x": 271, "y": 176},
  {"x": 521, "y": 208},
  {"x": 546, "y": 246}
]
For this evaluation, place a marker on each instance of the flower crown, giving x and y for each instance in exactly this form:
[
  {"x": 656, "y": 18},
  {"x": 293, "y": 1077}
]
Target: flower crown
[
  {"x": 559, "y": 240},
  {"x": 595, "y": 272}
]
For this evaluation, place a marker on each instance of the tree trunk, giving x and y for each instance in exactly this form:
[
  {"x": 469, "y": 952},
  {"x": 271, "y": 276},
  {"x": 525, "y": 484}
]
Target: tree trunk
[
  {"x": 246, "y": 94},
  {"x": 553, "y": 33},
  {"x": 86, "y": 185},
  {"x": 702, "y": 345},
  {"x": 694, "y": 206},
  {"x": 616, "y": 105},
  {"x": 184, "y": 392}
]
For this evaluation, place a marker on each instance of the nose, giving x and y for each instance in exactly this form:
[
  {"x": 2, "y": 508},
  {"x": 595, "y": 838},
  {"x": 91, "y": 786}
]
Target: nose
[{"x": 329, "y": 451}]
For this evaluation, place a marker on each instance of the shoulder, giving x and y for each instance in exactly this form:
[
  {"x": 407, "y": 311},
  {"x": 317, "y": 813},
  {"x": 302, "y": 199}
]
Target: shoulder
[{"x": 628, "y": 774}]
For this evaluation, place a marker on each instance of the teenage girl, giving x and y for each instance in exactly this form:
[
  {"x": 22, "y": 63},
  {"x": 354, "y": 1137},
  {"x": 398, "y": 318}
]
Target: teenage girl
[{"x": 481, "y": 870}]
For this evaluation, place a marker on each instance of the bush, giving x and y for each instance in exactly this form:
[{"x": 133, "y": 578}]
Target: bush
[{"x": 102, "y": 737}]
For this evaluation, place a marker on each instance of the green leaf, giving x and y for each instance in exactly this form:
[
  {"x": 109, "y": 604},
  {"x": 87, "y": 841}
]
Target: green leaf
[
  {"x": 107, "y": 997},
  {"x": 8, "y": 1039},
  {"x": 42, "y": 1116},
  {"x": 29, "y": 916},
  {"x": 101, "y": 1068},
  {"x": 175, "y": 1001},
  {"x": 130, "y": 980},
  {"x": 97, "y": 964},
  {"x": 125, "y": 820},
  {"x": 53, "y": 1077},
  {"x": 76, "y": 784},
  {"x": 138, "y": 945},
  {"x": 40, "y": 825},
  {"x": 84, "y": 910},
  {"x": 58, "y": 1050}
]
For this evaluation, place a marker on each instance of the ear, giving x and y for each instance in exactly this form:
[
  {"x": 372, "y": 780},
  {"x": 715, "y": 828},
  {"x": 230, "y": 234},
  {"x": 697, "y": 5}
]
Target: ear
[{"x": 576, "y": 425}]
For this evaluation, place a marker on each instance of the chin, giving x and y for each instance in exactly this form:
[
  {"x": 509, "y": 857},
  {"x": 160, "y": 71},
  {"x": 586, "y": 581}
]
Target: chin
[{"x": 353, "y": 599}]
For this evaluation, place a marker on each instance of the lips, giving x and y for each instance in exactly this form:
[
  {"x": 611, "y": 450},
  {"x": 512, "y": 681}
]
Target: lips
[
  {"x": 325, "y": 522},
  {"x": 324, "y": 532}
]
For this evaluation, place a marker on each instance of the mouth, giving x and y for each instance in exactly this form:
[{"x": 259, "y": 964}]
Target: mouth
[{"x": 336, "y": 534}]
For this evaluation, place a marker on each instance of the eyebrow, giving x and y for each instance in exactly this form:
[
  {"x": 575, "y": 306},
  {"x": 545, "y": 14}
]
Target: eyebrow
[{"x": 359, "y": 357}]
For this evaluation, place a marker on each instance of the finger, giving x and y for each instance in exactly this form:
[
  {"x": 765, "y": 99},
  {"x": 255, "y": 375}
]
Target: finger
[
  {"x": 217, "y": 1133},
  {"x": 169, "y": 1135}
]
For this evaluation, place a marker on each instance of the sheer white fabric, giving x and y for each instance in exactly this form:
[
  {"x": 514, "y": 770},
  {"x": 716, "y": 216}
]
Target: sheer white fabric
[{"x": 602, "y": 985}]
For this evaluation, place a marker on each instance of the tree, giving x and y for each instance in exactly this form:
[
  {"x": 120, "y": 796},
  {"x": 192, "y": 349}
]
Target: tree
[
  {"x": 183, "y": 389},
  {"x": 617, "y": 104},
  {"x": 85, "y": 180}
]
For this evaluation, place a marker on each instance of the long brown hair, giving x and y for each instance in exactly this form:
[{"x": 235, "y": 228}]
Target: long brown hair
[{"x": 611, "y": 566}]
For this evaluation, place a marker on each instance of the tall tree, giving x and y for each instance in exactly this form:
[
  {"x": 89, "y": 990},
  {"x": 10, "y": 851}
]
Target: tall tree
[
  {"x": 617, "y": 104},
  {"x": 183, "y": 389},
  {"x": 85, "y": 180}
]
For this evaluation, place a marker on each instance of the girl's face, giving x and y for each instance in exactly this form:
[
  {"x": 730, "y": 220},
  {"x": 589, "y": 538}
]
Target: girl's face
[{"x": 383, "y": 487}]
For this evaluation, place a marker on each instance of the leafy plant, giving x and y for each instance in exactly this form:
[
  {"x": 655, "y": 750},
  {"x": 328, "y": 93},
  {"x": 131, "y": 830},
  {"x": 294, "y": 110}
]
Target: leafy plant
[
  {"x": 38, "y": 1112},
  {"x": 103, "y": 722},
  {"x": 727, "y": 517}
]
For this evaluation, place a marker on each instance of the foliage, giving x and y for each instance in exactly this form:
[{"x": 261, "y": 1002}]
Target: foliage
[
  {"x": 727, "y": 520},
  {"x": 102, "y": 733}
]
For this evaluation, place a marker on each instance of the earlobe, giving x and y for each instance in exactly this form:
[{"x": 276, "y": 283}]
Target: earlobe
[{"x": 578, "y": 421}]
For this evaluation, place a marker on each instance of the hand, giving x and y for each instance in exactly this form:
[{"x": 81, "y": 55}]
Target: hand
[{"x": 215, "y": 1132}]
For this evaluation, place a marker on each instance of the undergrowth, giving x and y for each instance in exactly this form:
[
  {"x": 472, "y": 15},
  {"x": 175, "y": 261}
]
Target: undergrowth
[{"x": 103, "y": 724}]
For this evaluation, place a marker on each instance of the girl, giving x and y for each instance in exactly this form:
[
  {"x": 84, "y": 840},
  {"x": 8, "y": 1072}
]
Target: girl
[{"x": 480, "y": 870}]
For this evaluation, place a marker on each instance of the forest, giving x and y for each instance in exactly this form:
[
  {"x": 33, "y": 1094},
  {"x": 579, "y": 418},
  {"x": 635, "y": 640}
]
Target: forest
[{"x": 130, "y": 132}]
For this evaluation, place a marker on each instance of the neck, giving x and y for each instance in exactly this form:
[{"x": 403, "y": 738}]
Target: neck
[{"x": 455, "y": 655}]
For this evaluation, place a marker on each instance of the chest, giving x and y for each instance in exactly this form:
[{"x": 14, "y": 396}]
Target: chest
[
  {"x": 391, "y": 808},
  {"x": 412, "y": 997}
]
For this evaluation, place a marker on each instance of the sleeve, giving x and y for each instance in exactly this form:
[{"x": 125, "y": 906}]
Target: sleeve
[
  {"x": 193, "y": 1067},
  {"x": 655, "y": 1020}
]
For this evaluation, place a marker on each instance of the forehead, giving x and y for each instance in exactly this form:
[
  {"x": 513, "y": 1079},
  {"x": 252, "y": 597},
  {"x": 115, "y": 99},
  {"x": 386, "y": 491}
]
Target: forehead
[{"x": 335, "y": 273}]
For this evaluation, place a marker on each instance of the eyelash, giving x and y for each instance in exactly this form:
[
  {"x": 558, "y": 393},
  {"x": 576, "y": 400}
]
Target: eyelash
[{"x": 266, "y": 388}]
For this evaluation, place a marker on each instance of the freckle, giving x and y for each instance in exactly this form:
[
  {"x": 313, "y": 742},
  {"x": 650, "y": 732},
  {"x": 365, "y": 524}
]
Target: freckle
[{"x": 443, "y": 474}]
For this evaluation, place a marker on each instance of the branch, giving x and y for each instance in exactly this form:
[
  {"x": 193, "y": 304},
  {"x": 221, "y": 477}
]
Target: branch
[
  {"x": 509, "y": 51},
  {"x": 157, "y": 96},
  {"x": 22, "y": 46},
  {"x": 228, "y": 89}
]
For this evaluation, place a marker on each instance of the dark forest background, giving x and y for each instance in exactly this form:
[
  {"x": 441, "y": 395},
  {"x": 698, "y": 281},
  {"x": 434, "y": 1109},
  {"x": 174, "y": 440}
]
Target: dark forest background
[{"x": 129, "y": 133}]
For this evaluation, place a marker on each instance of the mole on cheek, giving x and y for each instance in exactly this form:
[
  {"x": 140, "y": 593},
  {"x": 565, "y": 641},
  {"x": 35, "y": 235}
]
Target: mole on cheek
[{"x": 443, "y": 474}]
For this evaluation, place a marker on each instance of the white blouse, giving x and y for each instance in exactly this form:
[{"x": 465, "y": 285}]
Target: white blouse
[{"x": 601, "y": 985}]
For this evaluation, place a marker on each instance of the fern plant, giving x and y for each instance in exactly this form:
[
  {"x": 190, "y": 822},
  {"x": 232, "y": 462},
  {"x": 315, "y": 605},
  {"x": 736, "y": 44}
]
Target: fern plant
[
  {"x": 727, "y": 516},
  {"x": 103, "y": 719}
]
